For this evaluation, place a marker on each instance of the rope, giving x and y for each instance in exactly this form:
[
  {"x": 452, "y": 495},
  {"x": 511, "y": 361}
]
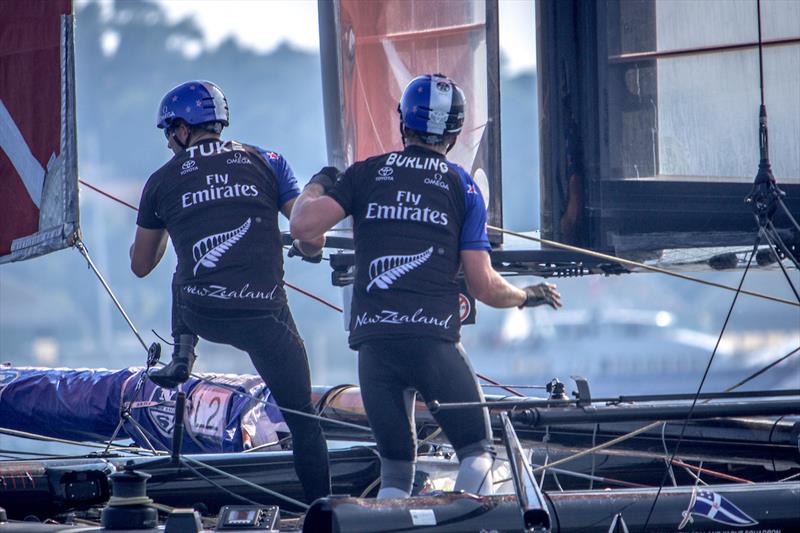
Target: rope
[
  {"x": 643, "y": 266},
  {"x": 700, "y": 387},
  {"x": 291, "y": 286},
  {"x": 34, "y": 436}
]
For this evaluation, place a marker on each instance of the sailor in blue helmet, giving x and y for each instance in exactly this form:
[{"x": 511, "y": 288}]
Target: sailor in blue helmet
[
  {"x": 218, "y": 200},
  {"x": 417, "y": 219}
]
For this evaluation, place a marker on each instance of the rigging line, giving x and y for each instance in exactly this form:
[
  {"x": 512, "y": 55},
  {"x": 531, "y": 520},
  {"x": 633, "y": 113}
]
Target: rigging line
[
  {"x": 785, "y": 248},
  {"x": 636, "y": 264},
  {"x": 184, "y": 459},
  {"x": 497, "y": 384},
  {"x": 290, "y": 285},
  {"x": 702, "y": 381},
  {"x": 34, "y": 436},
  {"x": 107, "y": 195},
  {"x": 760, "y": 53},
  {"x": 759, "y": 372},
  {"x": 313, "y": 296},
  {"x": 296, "y": 288},
  {"x": 773, "y": 250},
  {"x": 82, "y": 249},
  {"x": 788, "y": 213},
  {"x": 712, "y": 473},
  {"x": 599, "y": 447},
  {"x": 246, "y": 482},
  {"x": 218, "y": 485}
]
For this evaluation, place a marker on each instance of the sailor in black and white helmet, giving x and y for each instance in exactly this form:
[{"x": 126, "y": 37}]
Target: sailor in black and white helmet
[
  {"x": 219, "y": 202},
  {"x": 417, "y": 218}
]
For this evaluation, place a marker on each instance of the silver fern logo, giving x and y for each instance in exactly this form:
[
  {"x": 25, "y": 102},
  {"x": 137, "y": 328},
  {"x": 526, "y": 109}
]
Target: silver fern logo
[
  {"x": 384, "y": 270},
  {"x": 208, "y": 250}
]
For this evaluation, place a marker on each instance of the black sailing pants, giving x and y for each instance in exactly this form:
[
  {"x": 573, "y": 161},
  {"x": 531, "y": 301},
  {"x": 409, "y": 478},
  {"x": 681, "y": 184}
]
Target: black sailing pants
[
  {"x": 277, "y": 351},
  {"x": 439, "y": 370}
]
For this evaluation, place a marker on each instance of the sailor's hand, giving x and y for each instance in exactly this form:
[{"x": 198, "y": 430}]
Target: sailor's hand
[
  {"x": 543, "y": 293},
  {"x": 325, "y": 178},
  {"x": 296, "y": 250}
]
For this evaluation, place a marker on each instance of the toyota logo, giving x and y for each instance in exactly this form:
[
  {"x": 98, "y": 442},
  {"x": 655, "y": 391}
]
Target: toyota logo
[{"x": 385, "y": 171}]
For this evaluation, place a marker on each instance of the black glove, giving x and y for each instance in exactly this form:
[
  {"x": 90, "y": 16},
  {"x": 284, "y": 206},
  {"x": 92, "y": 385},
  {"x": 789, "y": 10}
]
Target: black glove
[
  {"x": 543, "y": 293},
  {"x": 325, "y": 178},
  {"x": 295, "y": 250}
]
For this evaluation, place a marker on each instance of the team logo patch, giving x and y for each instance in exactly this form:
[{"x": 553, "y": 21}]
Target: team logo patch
[
  {"x": 385, "y": 270},
  {"x": 162, "y": 411},
  {"x": 715, "y": 507},
  {"x": 272, "y": 155},
  {"x": 464, "y": 307},
  {"x": 208, "y": 250}
]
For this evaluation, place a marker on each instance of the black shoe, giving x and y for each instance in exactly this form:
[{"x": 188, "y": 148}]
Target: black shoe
[{"x": 179, "y": 369}]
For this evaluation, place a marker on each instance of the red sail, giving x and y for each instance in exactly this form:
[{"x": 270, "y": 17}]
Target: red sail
[
  {"x": 371, "y": 50},
  {"x": 37, "y": 147}
]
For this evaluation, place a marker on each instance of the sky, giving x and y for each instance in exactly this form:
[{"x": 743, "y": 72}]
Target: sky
[{"x": 263, "y": 24}]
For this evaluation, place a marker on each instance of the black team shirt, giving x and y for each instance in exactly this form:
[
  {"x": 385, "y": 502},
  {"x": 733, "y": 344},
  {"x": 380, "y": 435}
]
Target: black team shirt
[
  {"x": 413, "y": 212},
  {"x": 219, "y": 201}
]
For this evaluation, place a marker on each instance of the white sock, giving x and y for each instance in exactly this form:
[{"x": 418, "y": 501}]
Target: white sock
[
  {"x": 475, "y": 474},
  {"x": 392, "y": 492}
]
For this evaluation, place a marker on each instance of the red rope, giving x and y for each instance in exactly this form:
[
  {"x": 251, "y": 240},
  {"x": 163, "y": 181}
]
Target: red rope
[
  {"x": 495, "y": 383},
  {"x": 294, "y": 287},
  {"x": 298, "y": 289},
  {"x": 107, "y": 195}
]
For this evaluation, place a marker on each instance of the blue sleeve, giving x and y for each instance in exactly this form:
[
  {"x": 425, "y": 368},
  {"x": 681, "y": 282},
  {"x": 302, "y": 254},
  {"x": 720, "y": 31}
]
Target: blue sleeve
[
  {"x": 287, "y": 182},
  {"x": 473, "y": 230}
]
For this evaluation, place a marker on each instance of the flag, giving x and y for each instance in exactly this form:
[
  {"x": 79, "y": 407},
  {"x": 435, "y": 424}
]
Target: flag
[{"x": 717, "y": 508}]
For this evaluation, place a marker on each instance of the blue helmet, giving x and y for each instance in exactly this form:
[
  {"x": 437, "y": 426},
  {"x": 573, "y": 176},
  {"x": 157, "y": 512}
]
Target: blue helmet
[
  {"x": 195, "y": 102},
  {"x": 432, "y": 105}
]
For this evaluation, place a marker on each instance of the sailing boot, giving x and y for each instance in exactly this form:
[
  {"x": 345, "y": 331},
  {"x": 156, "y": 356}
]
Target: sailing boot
[{"x": 178, "y": 370}]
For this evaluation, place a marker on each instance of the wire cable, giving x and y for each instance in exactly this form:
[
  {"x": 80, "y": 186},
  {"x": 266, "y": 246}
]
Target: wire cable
[
  {"x": 700, "y": 387},
  {"x": 643, "y": 266}
]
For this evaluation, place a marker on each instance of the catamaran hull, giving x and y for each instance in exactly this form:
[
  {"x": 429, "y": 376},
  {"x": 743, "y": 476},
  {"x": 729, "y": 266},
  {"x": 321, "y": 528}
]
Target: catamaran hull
[{"x": 766, "y": 507}]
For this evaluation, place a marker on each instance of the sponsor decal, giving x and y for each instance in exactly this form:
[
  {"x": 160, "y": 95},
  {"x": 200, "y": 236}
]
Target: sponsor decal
[
  {"x": 238, "y": 159},
  {"x": 208, "y": 250},
  {"x": 406, "y": 208},
  {"x": 217, "y": 188},
  {"x": 162, "y": 413},
  {"x": 471, "y": 189},
  {"x": 464, "y": 307},
  {"x": 437, "y": 181},
  {"x": 419, "y": 163},
  {"x": 715, "y": 507},
  {"x": 190, "y": 165},
  {"x": 389, "y": 316},
  {"x": 222, "y": 292},
  {"x": 443, "y": 86},
  {"x": 385, "y": 174},
  {"x": 386, "y": 269},
  {"x": 272, "y": 155}
]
